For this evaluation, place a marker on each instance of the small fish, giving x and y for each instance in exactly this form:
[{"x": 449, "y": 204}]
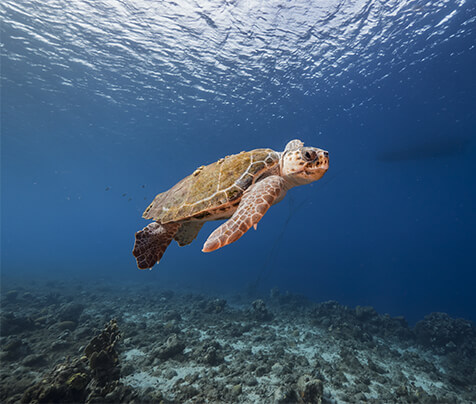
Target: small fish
[{"x": 107, "y": 188}]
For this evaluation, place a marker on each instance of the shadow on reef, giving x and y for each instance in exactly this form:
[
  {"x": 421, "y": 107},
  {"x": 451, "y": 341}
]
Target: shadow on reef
[{"x": 92, "y": 378}]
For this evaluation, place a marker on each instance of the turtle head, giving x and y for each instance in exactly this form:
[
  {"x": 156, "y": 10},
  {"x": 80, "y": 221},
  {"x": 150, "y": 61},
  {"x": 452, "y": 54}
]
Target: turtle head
[{"x": 302, "y": 165}]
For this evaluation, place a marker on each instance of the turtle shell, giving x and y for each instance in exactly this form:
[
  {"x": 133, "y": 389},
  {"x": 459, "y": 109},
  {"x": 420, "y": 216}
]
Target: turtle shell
[{"x": 213, "y": 188}]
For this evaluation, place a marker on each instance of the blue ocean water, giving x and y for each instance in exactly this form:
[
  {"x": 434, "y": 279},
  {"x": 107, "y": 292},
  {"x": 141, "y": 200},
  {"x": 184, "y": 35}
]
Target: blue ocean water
[{"x": 106, "y": 103}]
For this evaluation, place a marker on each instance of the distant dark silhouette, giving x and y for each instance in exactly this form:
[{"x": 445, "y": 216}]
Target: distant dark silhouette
[{"x": 427, "y": 149}]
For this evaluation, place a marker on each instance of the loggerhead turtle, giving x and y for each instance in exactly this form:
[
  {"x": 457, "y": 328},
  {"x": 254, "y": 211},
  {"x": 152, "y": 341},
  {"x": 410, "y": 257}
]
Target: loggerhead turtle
[{"x": 239, "y": 188}]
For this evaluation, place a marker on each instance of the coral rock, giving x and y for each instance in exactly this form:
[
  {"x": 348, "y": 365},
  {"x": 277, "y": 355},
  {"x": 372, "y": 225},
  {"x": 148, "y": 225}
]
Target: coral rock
[
  {"x": 259, "y": 311},
  {"x": 173, "y": 346},
  {"x": 310, "y": 389},
  {"x": 71, "y": 312}
]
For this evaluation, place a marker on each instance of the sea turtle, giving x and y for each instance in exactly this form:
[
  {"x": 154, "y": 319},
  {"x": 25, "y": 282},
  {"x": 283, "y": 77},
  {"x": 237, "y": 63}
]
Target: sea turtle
[{"x": 239, "y": 188}]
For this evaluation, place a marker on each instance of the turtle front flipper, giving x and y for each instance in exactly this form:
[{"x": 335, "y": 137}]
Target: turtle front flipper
[
  {"x": 253, "y": 205},
  {"x": 151, "y": 243}
]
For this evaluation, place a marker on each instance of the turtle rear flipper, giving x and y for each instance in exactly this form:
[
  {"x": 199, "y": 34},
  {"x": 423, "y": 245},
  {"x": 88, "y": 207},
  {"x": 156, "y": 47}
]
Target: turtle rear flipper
[
  {"x": 187, "y": 233},
  {"x": 151, "y": 243}
]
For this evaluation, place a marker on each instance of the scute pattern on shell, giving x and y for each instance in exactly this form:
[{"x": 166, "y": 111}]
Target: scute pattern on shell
[{"x": 212, "y": 187}]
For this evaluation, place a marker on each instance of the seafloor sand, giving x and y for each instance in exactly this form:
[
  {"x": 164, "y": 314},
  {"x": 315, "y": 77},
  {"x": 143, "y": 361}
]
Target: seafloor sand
[{"x": 192, "y": 348}]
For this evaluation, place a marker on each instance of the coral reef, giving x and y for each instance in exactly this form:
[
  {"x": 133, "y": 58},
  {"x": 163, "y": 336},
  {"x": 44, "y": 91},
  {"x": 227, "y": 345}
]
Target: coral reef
[
  {"x": 91, "y": 378},
  {"x": 186, "y": 348},
  {"x": 102, "y": 354},
  {"x": 444, "y": 334}
]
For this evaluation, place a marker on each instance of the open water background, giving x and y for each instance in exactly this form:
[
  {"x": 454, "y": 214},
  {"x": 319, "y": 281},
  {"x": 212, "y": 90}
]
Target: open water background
[{"x": 106, "y": 103}]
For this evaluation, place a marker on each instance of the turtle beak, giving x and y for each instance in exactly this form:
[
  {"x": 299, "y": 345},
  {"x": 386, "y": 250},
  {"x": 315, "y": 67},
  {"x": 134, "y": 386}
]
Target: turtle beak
[{"x": 323, "y": 159}]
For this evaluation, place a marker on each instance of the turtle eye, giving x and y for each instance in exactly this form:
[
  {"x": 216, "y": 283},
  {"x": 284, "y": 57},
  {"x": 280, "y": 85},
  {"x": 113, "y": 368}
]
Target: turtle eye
[{"x": 310, "y": 155}]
